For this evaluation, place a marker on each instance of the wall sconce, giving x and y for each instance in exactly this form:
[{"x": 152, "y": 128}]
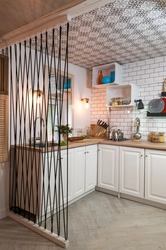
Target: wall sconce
[
  {"x": 37, "y": 94},
  {"x": 86, "y": 100}
]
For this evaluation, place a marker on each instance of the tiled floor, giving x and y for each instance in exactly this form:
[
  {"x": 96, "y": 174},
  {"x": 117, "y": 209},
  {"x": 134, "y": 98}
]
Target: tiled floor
[{"x": 97, "y": 222}]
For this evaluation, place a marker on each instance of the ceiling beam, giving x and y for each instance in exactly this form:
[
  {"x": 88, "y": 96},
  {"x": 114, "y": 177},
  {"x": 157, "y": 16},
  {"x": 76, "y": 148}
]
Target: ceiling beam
[
  {"x": 30, "y": 30},
  {"x": 87, "y": 6},
  {"x": 52, "y": 20}
]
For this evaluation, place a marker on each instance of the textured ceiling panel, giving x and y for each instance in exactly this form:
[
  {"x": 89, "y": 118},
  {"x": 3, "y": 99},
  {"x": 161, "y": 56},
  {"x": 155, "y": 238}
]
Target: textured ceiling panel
[{"x": 123, "y": 31}]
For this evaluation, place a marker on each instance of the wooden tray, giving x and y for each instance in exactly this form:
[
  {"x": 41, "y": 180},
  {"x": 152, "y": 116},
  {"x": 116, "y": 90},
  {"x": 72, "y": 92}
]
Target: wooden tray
[{"x": 75, "y": 138}]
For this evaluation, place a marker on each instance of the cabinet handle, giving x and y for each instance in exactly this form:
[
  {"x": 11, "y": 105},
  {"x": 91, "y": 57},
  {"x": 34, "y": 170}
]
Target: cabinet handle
[
  {"x": 98, "y": 149},
  {"x": 141, "y": 155},
  {"x": 84, "y": 152},
  {"x": 87, "y": 152}
]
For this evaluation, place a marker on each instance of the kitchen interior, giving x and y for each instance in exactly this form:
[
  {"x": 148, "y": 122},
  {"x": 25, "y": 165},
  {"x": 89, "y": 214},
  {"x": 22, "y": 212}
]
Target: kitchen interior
[{"x": 125, "y": 42}]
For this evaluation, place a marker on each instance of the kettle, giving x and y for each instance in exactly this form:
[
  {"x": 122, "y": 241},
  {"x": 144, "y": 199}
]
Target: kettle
[{"x": 115, "y": 135}]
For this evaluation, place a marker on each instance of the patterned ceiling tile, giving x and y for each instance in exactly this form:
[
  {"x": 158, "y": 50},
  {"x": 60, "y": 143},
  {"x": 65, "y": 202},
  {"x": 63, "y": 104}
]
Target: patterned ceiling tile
[
  {"x": 147, "y": 6},
  {"x": 121, "y": 3},
  {"x": 129, "y": 12},
  {"x": 122, "y": 31}
]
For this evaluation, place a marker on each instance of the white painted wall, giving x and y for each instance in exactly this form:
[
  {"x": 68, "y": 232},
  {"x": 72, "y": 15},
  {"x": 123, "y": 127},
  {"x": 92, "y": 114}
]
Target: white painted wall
[{"x": 81, "y": 114}]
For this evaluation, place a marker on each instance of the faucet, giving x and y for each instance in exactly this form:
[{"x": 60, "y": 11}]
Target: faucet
[{"x": 34, "y": 125}]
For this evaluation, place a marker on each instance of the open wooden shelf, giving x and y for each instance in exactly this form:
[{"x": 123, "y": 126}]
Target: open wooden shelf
[{"x": 156, "y": 114}]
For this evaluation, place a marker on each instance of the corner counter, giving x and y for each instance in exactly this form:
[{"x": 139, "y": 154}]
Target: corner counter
[
  {"x": 93, "y": 141},
  {"x": 136, "y": 144}
]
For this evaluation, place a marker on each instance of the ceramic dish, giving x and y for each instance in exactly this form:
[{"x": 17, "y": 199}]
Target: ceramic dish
[{"x": 156, "y": 106}]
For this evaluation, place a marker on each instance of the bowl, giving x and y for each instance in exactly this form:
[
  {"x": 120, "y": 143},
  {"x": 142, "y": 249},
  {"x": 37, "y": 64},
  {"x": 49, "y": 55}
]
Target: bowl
[{"x": 106, "y": 79}]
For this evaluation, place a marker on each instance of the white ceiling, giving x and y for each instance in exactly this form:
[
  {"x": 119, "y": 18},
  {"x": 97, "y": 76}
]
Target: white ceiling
[{"x": 121, "y": 31}]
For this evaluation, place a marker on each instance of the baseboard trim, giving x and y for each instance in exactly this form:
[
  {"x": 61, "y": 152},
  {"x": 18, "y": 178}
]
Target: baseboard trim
[
  {"x": 131, "y": 198},
  {"x": 143, "y": 201},
  {"x": 40, "y": 230},
  {"x": 3, "y": 213},
  {"x": 107, "y": 191}
]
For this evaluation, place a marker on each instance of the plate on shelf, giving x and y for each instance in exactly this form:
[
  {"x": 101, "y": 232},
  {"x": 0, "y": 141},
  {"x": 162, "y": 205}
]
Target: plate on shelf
[
  {"x": 156, "y": 106},
  {"x": 164, "y": 110}
]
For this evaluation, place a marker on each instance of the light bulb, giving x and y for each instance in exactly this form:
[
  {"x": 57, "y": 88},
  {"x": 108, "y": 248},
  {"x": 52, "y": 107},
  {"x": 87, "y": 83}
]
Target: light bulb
[{"x": 86, "y": 105}]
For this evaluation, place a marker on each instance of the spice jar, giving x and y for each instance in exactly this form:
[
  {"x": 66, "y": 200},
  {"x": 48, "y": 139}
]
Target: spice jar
[
  {"x": 151, "y": 135},
  {"x": 120, "y": 100},
  {"x": 114, "y": 101},
  {"x": 161, "y": 137}
]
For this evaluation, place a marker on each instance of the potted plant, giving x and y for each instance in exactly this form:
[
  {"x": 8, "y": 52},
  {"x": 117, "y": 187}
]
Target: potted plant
[{"x": 64, "y": 130}]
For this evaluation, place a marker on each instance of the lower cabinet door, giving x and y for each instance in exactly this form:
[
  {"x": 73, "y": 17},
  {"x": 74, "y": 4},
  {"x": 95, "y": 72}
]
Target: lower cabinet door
[
  {"x": 132, "y": 171},
  {"x": 108, "y": 164},
  {"x": 91, "y": 167},
  {"x": 67, "y": 172},
  {"x": 79, "y": 171},
  {"x": 155, "y": 176}
]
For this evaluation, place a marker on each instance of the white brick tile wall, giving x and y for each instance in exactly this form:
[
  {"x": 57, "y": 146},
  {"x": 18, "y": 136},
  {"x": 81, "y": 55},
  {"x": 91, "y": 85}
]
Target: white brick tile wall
[{"x": 149, "y": 76}]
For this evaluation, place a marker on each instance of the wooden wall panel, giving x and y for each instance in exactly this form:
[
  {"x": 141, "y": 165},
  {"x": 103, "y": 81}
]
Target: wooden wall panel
[
  {"x": 3, "y": 128},
  {"x": 3, "y": 75}
]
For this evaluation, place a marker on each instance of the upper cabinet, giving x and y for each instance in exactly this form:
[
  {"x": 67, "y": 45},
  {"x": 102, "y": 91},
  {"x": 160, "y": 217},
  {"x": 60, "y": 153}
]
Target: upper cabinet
[
  {"x": 112, "y": 70},
  {"x": 121, "y": 95}
]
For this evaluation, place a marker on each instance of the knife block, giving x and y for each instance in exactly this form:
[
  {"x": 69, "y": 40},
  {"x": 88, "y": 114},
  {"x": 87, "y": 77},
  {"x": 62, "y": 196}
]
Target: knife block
[{"x": 98, "y": 131}]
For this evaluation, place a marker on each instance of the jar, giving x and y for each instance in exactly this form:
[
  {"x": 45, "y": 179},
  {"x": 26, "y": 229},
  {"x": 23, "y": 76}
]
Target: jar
[
  {"x": 161, "y": 137},
  {"x": 156, "y": 137},
  {"x": 120, "y": 100},
  {"x": 114, "y": 101},
  {"x": 151, "y": 135}
]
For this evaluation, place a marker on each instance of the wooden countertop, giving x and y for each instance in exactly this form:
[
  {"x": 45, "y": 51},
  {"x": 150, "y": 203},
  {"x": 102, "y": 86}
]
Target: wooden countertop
[
  {"x": 92, "y": 141},
  {"x": 137, "y": 144}
]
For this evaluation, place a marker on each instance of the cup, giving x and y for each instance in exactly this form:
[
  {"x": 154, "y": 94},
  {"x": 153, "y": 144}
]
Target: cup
[{"x": 112, "y": 76}]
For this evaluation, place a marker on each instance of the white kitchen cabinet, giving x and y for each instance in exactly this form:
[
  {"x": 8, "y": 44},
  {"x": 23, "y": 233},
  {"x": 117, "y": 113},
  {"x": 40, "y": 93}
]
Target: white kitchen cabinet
[
  {"x": 106, "y": 70},
  {"x": 91, "y": 167},
  {"x": 79, "y": 171},
  {"x": 85, "y": 169},
  {"x": 155, "y": 176},
  {"x": 54, "y": 178},
  {"x": 108, "y": 166},
  {"x": 67, "y": 171},
  {"x": 49, "y": 188},
  {"x": 132, "y": 171},
  {"x": 128, "y": 93}
]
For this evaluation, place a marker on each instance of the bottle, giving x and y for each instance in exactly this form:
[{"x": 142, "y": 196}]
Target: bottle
[{"x": 100, "y": 77}]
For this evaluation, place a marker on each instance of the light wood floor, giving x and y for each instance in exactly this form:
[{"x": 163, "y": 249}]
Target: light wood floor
[{"x": 97, "y": 222}]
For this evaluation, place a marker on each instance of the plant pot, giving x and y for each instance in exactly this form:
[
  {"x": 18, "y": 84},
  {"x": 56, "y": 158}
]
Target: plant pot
[{"x": 64, "y": 137}]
